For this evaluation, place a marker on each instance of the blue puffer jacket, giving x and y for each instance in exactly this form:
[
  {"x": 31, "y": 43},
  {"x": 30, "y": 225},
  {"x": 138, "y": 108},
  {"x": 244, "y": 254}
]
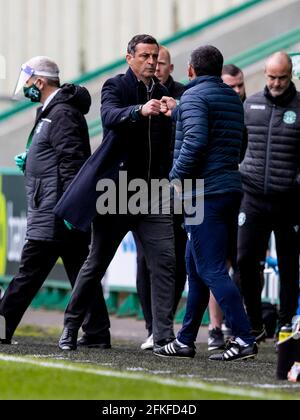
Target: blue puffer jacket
[{"x": 209, "y": 136}]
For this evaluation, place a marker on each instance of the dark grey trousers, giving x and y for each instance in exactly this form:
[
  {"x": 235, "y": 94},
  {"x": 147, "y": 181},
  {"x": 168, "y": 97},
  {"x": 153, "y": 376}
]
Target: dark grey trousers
[{"x": 157, "y": 237}]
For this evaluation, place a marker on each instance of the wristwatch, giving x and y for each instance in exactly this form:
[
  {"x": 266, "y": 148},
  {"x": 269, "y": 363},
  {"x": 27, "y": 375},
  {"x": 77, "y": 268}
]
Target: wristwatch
[
  {"x": 138, "y": 109},
  {"x": 136, "y": 114}
]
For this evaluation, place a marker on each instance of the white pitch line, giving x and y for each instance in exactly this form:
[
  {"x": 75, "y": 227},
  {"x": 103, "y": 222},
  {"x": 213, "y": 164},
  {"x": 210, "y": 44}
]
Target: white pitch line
[
  {"x": 230, "y": 391},
  {"x": 288, "y": 385}
]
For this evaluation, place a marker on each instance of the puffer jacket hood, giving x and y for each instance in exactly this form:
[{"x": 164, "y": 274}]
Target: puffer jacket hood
[{"x": 75, "y": 95}]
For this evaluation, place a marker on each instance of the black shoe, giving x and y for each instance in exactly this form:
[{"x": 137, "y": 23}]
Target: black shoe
[
  {"x": 260, "y": 335},
  {"x": 235, "y": 351},
  {"x": 93, "y": 342},
  {"x": 215, "y": 340},
  {"x": 173, "y": 349},
  {"x": 68, "y": 340},
  {"x": 8, "y": 342},
  {"x": 5, "y": 341},
  {"x": 162, "y": 343}
]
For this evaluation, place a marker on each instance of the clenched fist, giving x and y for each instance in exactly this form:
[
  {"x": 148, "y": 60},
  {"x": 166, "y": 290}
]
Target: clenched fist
[
  {"x": 151, "y": 108},
  {"x": 167, "y": 104}
]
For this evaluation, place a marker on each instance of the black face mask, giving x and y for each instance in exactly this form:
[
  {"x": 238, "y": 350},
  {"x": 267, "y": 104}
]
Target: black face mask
[{"x": 33, "y": 93}]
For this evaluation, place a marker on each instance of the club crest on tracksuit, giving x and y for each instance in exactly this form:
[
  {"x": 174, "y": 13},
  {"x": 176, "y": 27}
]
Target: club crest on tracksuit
[{"x": 290, "y": 117}]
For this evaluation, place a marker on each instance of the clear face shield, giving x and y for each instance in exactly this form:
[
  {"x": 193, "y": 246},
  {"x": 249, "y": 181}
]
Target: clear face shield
[{"x": 26, "y": 73}]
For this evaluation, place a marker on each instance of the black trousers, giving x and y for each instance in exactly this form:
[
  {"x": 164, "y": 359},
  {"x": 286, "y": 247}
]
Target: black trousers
[
  {"x": 157, "y": 237},
  {"x": 38, "y": 259},
  {"x": 143, "y": 283},
  {"x": 259, "y": 216}
]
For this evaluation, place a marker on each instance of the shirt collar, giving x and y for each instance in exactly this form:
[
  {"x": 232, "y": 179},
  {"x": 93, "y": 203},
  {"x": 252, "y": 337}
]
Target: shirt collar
[{"x": 49, "y": 99}]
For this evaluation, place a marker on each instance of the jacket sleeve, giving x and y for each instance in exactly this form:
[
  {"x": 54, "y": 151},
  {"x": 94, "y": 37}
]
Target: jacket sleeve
[
  {"x": 113, "y": 112},
  {"x": 175, "y": 114},
  {"x": 194, "y": 121},
  {"x": 66, "y": 138},
  {"x": 244, "y": 144}
]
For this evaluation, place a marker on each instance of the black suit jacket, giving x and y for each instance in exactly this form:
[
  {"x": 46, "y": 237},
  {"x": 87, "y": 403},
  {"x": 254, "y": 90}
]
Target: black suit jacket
[{"x": 141, "y": 147}]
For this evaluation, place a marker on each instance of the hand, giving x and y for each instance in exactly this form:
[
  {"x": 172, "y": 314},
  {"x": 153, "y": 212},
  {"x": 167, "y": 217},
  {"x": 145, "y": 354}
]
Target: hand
[
  {"x": 151, "y": 108},
  {"x": 167, "y": 105},
  {"x": 21, "y": 161}
]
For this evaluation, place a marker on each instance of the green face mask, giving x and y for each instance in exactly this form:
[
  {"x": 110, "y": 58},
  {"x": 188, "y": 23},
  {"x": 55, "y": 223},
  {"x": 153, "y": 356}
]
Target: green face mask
[{"x": 33, "y": 93}]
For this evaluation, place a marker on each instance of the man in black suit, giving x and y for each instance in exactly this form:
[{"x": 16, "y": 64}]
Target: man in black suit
[
  {"x": 136, "y": 143},
  {"x": 164, "y": 70}
]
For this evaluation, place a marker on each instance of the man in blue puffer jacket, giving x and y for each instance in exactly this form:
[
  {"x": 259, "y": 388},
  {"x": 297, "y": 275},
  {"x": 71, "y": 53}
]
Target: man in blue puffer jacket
[{"x": 208, "y": 145}]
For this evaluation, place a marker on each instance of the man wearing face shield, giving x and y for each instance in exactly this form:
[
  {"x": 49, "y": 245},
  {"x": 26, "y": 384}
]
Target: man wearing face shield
[{"x": 56, "y": 149}]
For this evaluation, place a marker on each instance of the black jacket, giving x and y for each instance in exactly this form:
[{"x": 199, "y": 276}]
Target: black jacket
[
  {"x": 176, "y": 89},
  {"x": 144, "y": 143},
  {"x": 140, "y": 147},
  {"x": 272, "y": 162},
  {"x": 60, "y": 145}
]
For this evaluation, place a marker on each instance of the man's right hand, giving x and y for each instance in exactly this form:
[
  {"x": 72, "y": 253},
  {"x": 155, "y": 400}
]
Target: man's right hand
[
  {"x": 168, "y": 104},
  {"x": 151, "y": 108}
]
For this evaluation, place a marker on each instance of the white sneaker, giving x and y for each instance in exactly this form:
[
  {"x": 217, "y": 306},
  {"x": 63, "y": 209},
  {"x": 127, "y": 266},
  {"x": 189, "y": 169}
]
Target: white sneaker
[
  {"x": 148, "y": 344},
  {"x": 2, "y": 291}
]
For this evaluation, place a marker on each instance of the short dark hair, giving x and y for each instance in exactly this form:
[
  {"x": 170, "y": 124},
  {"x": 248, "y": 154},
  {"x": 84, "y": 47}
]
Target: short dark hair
[
  {"x": 53, "y": 82},
  {"x": 140, "y": 39},
  {"x": 231, "y": 69},
  {"x": 207, "y": 61}
]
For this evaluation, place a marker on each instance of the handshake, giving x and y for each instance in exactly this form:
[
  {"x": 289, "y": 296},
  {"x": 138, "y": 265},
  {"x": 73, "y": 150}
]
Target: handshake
[{"x": 154, "y": 107}]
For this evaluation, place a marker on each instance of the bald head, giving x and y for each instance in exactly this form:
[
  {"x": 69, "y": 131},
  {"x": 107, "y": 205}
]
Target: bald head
[
  {"x": 278, "y": 72},
  {"x": 165, "y": 53},
  {"x": 164, "y": 66},
  {"x": 280, "y": 58}
]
